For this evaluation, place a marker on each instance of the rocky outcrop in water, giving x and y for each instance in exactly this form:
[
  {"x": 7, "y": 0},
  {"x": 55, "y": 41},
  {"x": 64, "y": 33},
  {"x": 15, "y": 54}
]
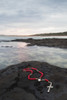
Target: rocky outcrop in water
[
  {"x": 62, "y": 43},
  {"x": 7, "y": 46}
]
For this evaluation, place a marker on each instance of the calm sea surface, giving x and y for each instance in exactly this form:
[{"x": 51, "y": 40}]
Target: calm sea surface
[
  {"x": 16, "y": 52},
  {"x": 34, "y": 37}
]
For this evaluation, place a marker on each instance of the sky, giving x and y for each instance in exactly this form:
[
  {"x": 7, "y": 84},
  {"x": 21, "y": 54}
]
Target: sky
[{"x": 25, "y": 17}]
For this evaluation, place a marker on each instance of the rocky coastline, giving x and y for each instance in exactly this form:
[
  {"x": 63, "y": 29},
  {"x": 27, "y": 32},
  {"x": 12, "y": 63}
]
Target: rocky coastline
[
  {"x": 61, "y": 43},
  {"x": 14, "y": 84}
]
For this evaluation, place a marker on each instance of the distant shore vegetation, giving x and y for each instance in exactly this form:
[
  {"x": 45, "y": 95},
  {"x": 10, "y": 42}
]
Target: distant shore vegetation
[
  {"x": 42, "y": 34},
  {"x": 52, "y": 34}
]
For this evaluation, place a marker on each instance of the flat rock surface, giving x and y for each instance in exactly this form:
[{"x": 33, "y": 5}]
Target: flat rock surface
[{"x": 14, "y": 84}]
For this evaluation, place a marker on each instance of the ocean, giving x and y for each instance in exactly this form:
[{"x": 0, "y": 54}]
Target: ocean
[
  {"x": 17, "y": 52},
  {"x": 34, "y": 37}
]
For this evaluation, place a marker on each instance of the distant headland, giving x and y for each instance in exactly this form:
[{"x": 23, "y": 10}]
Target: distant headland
[
  {"x": 41, "y": 34},
  {"x": 51, "y": 34}
]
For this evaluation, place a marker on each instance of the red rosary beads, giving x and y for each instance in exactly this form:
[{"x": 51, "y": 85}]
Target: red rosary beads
[{"x": 38, "y": 79}]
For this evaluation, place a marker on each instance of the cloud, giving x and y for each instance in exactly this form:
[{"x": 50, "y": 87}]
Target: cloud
[{"x": 32, "y": 16}]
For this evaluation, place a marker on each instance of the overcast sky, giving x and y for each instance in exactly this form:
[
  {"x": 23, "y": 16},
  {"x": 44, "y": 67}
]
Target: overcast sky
[{"x": 24, "y": 17}]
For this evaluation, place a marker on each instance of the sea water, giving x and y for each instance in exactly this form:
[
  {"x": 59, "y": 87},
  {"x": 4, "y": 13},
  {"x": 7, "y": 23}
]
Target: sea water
[
  {"x": 33, "y": 37},
  {"x": 17, "y": 52}
]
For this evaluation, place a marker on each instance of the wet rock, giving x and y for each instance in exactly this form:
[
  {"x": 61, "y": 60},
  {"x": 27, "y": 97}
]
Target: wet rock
[
  {"x": 7, "y": 46},
  {"x": 62, "y": 43}
]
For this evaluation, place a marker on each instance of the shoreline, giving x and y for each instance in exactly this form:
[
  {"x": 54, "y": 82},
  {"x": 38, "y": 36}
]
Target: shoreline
[
  {"x": 14, "y": 84},
  {"x": 61, "y": 43}
]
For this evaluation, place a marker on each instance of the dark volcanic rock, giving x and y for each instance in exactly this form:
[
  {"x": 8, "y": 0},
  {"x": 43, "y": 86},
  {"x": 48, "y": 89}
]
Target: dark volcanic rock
[
  {"x": 14, "y": 84},
  {"x": 62, "y": 43},
  {"x": 7, "y": 46}
]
